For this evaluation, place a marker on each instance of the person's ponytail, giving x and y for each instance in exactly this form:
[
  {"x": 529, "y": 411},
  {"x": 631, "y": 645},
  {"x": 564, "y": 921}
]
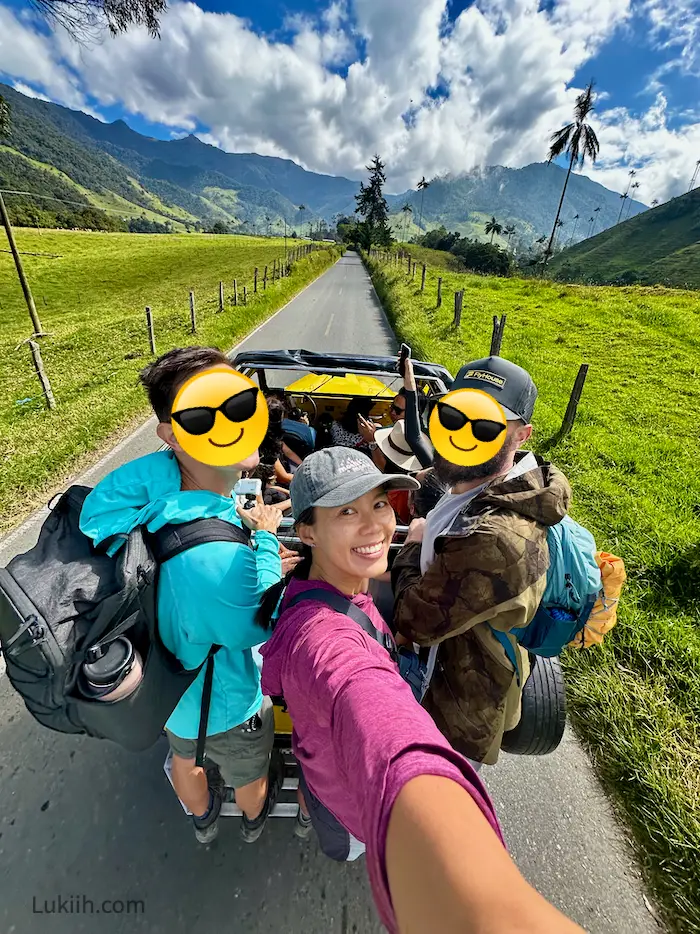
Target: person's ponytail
[{"x": 265, "y": 615}]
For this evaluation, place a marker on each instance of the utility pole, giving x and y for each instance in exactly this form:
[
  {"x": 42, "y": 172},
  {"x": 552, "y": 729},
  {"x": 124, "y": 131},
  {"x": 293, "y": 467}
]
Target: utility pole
[{"x": 29, "y": 298}]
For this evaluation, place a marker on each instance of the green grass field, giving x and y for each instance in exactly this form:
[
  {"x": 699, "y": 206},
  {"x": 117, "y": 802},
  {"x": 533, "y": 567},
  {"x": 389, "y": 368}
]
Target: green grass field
[
  {"x": 632, "y": 460},
  {"x": 91, "y": 299}
]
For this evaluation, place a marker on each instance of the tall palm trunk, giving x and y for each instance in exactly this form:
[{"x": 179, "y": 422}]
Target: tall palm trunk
[
  {"x": 556, "y": 219},
  {"x": 492, "y": 233},
  {"x": 573, "y": 232},
  {"x": 422, "y": 195}
]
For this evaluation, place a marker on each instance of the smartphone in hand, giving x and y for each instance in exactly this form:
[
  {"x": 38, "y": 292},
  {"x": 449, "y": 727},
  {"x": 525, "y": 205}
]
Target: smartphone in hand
[{"x": 404, "y": 354}]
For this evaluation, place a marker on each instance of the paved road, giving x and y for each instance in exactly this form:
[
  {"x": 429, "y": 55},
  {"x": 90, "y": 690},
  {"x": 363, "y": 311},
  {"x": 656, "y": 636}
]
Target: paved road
[{"x": 85, "y": 819}]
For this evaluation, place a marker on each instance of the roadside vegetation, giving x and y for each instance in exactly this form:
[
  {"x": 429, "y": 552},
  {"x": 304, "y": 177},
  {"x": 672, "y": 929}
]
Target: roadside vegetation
[
  {"x": 632, "y": 463},
  {"x": 91, "y": 290}
]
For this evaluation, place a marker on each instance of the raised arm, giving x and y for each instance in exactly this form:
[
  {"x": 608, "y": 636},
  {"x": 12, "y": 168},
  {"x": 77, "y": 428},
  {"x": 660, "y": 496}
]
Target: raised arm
[{"x": 417, "y": 441}]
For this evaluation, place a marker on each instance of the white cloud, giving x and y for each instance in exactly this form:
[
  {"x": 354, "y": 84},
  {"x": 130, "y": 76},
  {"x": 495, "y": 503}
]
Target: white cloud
[
  {"x": 664, "y": 157},
  {"x": 676, "y": 25},
  {"x": 504, "y": 70}
]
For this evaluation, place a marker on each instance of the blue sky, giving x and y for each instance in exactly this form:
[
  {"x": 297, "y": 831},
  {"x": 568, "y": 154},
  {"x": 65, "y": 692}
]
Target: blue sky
[{"x": 436, "y": 87}]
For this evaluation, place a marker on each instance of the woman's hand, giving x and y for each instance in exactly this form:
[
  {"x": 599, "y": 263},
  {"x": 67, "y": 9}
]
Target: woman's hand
[
  {"x": 290, "y": 559},
  {"x": 260, "y": 518},
  {"x": 409, "y": 379},
  {"x": 366, "y": 429}
]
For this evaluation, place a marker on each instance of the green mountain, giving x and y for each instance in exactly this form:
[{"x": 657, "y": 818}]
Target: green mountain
[
  {"x": 527, "y": 198},
  {"x": 110, "y": 166},
  {"x": 661, "y": 246},
  {"x": 70, "y": 156}
]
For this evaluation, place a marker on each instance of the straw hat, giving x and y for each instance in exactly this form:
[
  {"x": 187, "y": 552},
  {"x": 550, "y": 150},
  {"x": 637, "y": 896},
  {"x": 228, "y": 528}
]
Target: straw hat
[{"x": 393, "y": 445}]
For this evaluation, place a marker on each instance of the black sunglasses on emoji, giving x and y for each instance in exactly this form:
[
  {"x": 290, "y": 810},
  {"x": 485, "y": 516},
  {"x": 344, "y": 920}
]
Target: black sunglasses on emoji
[
  {"x": 200, "y": 420},
  {"x": 483, "y": 429}
]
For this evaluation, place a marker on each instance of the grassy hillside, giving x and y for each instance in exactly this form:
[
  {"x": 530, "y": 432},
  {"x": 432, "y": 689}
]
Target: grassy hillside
[
  {"x": 632, "y": 462},
  {"x": 660, "y": 246},
  {"x": 91, "y": 296}
]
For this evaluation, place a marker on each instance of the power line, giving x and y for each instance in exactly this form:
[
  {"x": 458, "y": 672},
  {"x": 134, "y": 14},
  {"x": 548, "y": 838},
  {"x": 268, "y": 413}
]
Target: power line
[{"x": 82, "y": 204}]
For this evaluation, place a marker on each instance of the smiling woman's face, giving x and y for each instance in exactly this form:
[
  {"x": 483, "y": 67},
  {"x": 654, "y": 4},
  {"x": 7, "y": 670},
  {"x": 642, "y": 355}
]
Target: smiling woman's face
[{"x": 351, "y": 543}]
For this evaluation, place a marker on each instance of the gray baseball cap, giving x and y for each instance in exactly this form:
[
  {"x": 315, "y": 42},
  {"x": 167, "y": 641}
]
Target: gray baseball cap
[
  {"x": 507, "y": 382},
  {"x": 337, "y": 476}
]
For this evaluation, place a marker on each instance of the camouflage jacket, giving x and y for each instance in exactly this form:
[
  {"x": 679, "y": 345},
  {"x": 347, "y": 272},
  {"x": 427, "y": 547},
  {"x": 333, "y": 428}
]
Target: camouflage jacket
[{"x": 490, "y": 567}]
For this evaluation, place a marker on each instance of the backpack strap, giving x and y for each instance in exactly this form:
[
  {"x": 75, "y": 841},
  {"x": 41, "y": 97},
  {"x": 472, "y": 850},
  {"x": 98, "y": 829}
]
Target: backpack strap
[
  {"x": 174, "y": 539},
  {"x": 347, "y": 608}
]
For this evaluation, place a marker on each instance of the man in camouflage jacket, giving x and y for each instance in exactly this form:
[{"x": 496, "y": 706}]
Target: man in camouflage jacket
[{"x": 484, "y": 564}]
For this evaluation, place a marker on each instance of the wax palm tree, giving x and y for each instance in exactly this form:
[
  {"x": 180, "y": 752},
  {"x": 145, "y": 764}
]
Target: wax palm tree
[
  {"x": 596, "y": 212},
  {"x": 493, "y": 227},
  {"x": 625, "y": 195},
  {"x": 509, "y": 232},
  {"x": 407, "y": 209},
  {"x": 629, "y": 199},
  {"x": 301, "y": 208},
  {"x": 654, "y": 202},
  {"x": 579, "y": 141},
  {"x": 422, "y": 185},
  {"x": 560, "y": 224},
  {"x": 573, "y": 232},
  {"x": 695, "y": 176},
  {"x": 591, "y": 224}
]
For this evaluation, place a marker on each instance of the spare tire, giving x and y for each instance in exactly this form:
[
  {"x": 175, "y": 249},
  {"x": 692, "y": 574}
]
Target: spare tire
[{"x": 543, "y": 717}]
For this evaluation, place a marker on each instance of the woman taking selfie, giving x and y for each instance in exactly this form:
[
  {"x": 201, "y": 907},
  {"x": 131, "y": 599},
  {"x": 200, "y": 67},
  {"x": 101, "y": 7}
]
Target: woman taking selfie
[{"x": 375, "y": 767}]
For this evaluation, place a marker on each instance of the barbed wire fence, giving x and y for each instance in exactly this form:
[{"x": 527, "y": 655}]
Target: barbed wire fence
[{"x": 402, "y": 261}]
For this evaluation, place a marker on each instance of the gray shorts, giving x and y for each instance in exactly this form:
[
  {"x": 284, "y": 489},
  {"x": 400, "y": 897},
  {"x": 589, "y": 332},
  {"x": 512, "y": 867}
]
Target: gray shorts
[{"x": 242, "y": 753}]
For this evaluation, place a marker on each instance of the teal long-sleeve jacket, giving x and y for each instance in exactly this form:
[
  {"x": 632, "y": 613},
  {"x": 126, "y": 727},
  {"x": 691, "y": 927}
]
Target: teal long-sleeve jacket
[{"x": 208, "y": 595}]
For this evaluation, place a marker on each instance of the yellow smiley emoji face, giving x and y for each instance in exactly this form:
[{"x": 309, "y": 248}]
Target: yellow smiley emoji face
[
  {"x": 219, "y": 417},
  {"x": 467, "y": 427}
]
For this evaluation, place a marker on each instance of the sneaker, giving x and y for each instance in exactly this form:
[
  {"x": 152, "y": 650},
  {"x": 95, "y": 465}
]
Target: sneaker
[
  {"x": 207, "y": 828},
  {"x": 251, "y": 829},
  {"x": 303, "y": 826}
]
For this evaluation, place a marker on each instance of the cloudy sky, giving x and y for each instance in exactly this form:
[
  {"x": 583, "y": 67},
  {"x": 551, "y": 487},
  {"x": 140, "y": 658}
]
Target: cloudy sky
[{"x": 434, "y": 86}]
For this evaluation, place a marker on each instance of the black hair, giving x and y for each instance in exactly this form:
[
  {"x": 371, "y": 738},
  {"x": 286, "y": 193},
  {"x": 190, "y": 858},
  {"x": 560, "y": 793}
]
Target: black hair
[
  {"x": 163, "y": 378},
  {"x": 421, "y": 396},
  {"x": 265, "y": 615},
  {"x": 324, "y": 434},
  {"x": 271, "y": 445},
  {"x": 358, "y": 405},
  {"x": 426, "y": 498}
]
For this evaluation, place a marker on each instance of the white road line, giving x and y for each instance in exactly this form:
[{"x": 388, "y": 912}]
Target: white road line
[{"x": 330, "y": 322}]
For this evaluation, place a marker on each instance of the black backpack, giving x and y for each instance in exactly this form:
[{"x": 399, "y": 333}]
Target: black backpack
[{"x": 65, "y": 596}]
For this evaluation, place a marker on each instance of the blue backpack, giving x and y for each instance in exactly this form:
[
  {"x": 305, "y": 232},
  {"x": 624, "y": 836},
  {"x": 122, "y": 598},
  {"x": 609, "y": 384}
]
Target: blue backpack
[{"x": 573, "y": 586}]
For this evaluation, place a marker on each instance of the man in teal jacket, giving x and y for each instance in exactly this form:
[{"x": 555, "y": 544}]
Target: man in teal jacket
[{"x": 206, "y": 596}]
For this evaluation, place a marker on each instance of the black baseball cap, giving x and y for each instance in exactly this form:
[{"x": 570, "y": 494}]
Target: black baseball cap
[{"x": 508, "y": 383}]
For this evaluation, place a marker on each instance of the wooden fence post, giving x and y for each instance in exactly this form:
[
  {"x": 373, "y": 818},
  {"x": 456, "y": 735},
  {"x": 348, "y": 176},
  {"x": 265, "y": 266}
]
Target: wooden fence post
[
  {"x": 255, "y": 280},
  {"x": 574, "y": 399},
  {"x": 459, "y": 299},
  {"x": 41, "y": 373},
  {"x": 439, "y": 295},
  {"x": 497, "y": 335},
  {"x": 193, "y": 316},
  {"x": 409, "y": 264},
  {"x": 422, "y": 281},
  {"x": 221, "y": 296},
  {"x": 413, "y": 274},
  {"x": 245, "y": 295},
  {"x": 151, "y": 336},
  {"x": 265, "y": 279},
  {"x": 235, "y": 291}
]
